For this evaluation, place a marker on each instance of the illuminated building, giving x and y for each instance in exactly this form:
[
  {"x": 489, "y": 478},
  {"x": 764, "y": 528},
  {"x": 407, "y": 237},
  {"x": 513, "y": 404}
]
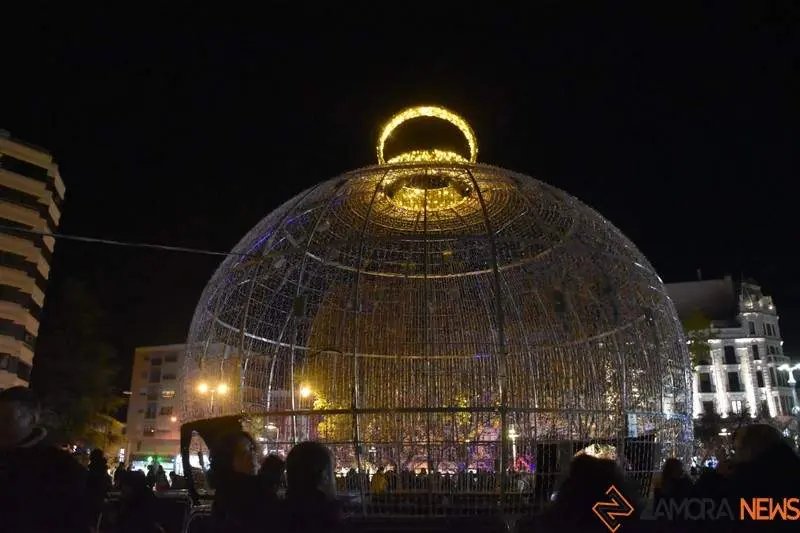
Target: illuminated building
[
  {"x": 741, "y": 372},
  {"x": 31, "y": 194},
  {"x": 153, "y": 422},
  {"x": 433, "y": 312}
]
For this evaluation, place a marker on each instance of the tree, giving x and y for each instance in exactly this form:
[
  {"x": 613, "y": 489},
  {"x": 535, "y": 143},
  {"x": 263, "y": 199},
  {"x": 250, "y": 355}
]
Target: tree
[
  {"x": 74, "y": 368},
  {"x": 709, "y": 435},
  {"x": 698, "y": 330}
]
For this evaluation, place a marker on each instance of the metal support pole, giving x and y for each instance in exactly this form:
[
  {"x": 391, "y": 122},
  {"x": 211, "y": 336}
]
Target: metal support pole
[{"x": 501, "y": 340}]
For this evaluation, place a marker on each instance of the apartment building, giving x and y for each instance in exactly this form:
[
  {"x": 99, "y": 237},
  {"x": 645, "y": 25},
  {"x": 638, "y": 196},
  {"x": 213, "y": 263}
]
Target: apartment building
[{"x": 31, "y": 196}]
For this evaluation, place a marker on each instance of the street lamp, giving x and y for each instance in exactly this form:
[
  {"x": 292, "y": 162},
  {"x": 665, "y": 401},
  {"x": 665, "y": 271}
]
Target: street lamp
[
  {"x": 305, "y": 392},
  {"x": 512, "y": 434},
  {"x": 203, "y": 388}
]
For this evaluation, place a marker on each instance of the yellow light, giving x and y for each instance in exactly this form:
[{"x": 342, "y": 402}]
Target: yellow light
[
  {"x": 222, "y": 388},
  {"x": 305, "y": 391},
  {"x": 436, "y": 190},
  {"x": 202, "y": 388},
  {"x": 173, "y": 419},
  {"x": 428, "y": 155},
  {"x": 416, "y": 156}
]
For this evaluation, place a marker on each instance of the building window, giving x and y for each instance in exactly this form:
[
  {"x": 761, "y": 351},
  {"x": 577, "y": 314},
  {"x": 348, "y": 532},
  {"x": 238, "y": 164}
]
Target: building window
[
  {"x": 171, "y": 358},
  {"x": 705, "y": 382},
  {"x": 149, "y": 430},
  {"x": 168, "y": 377},
  {"x": 733, "y": 382},
  {"x": 756, "y": 354},
  {"x": 760, "y": 378},
  {"x": 752, "y": 328},
  {"x": 736, "y": 406},
  {"x": 167, "y": 393},
  {"x": 708, "y": 408},
  {"x": 155, "y": 375},
  {"x": 730, "y": 355},
  {"x": 143, "y": 391},
  {"x": 151, "y": 410},
  {"x": 166, "y": 410},
  {"x": 156, "y": 361}
]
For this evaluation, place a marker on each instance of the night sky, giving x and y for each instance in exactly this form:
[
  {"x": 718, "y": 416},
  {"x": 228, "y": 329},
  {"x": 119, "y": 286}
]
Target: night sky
[{"x": 187, "y": 127}]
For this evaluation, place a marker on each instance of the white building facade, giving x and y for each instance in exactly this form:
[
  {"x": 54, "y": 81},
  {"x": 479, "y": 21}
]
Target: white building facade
[
  {"x": 153, "y": 423},
  {"x": 741, "y": 373}
]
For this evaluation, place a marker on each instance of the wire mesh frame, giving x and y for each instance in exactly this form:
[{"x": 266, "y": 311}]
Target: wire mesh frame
[{"x": 495, "y": 318}]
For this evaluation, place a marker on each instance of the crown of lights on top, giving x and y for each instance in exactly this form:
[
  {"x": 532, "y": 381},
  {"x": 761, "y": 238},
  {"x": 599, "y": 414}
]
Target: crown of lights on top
[
  {"x": 432, "y": 155},
  {"x": 436, "y": 189}
]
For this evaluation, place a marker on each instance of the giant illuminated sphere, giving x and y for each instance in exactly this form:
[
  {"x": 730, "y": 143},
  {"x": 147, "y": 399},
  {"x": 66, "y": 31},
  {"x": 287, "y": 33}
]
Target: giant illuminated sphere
[{"x": 433, "y": 312}]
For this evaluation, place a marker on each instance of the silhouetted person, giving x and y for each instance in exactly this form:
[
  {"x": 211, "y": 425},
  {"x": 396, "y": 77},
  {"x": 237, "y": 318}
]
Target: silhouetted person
[
  {"x": 240, "y": 503},
  {"x": 151, "y": 476},
  {"x": 271, "y": 474},
  {"x": 137, "y": 512},
  {"x": 176, "y": 482},
  {"x": 310, "y": 504},
  {"x": 41, "y": 486},
  {"x": 98, "y": 483},
  {"x": 674, "y": 484},
  {"x": 162, "y": 483},
  {"x": 118, "y": 473},
  {"x": 764, "y": 466},
  {"x": 587, "y": 483}
]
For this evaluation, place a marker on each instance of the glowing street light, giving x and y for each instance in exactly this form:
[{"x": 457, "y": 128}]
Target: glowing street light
[
  {"x": 173, "y": 419},
  {"x": 203, "y": 388},
  {"x": 512, "y": 434},
  {"x": 305, "y": 391}
]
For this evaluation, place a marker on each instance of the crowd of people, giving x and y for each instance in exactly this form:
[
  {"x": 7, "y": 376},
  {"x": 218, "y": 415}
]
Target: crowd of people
[{"x": 43, "y": 489}]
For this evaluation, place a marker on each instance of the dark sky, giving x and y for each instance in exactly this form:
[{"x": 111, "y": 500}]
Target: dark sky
[{"x": 187, "y": 128}]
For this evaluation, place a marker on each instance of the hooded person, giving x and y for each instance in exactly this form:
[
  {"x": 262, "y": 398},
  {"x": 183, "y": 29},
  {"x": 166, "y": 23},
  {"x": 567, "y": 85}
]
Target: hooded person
[{"x": 41, "y": 486}]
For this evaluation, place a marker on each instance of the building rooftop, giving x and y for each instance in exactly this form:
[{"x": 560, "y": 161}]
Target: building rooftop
[
  {"x": 716, "y": 299},
  {"x": 5, "y": 134}
]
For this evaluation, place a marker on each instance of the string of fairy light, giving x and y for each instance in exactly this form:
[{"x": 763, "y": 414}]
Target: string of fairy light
[{"x": 124, "y": 244}]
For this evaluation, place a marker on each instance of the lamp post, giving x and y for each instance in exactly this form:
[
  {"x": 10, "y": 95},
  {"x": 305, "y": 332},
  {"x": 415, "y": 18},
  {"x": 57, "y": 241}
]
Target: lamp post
[
  {"x": 512, "y": 434},
  {"x": 203, "y": 389},
  {"x": 306, "y": 392},
  {"x": 793, "y": 384}
]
